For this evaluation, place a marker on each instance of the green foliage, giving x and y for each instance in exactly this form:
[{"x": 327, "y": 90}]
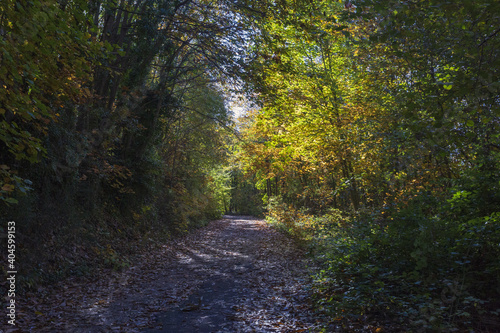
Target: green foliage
[
  {"x": 44, "y": 62},
  {"x": 220, "y": 192},
  {"x": 376, "y": 142},
  {"x": 387, "y": 111},
  {"x": 295, "y": 223},
  {"x": 122, "y": 111},
  {"x": 245, "y": 198},
  {"x": 421, "y": 272}
]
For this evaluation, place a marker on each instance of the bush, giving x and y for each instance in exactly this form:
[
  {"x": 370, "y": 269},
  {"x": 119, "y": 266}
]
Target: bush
[{"x": 410, "y": 270}]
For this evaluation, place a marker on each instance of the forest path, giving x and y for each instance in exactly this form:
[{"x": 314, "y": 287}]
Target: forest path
[{"x": 234, "y": 275}]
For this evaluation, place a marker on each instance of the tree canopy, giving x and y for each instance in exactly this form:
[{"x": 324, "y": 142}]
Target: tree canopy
[
  {"x": 377, "y": 142},
  {"x": 374, "y": 137}
]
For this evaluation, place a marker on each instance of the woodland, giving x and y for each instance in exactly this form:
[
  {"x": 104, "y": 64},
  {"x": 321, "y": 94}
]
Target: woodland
[{"x": 371, "y": 136}]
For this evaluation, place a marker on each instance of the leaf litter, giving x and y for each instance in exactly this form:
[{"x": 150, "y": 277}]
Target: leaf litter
[{"x": 234, "y": 275}]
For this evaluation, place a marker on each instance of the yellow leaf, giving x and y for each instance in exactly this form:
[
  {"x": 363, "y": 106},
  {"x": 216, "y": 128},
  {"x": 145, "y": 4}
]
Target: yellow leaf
[{"x": 8, "y": 188}]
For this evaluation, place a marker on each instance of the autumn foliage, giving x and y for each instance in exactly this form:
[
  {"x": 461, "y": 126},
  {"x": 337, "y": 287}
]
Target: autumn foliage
[
  {"x": 112, "y": 126},
  {"x": 377, "y": 142},
  {"x": 373, "y": 138}
]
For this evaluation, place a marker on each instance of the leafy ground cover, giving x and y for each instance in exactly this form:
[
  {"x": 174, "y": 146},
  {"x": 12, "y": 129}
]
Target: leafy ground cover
[{"x": 234, "y": 275}]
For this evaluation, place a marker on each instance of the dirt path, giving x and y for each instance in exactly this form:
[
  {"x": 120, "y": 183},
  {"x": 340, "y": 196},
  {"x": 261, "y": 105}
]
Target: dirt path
[{"x": 235, "y": 275}]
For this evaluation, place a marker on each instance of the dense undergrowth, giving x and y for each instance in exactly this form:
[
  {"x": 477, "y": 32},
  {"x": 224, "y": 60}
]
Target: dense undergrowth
[
  {"x": 377, "y": 144},
  {"x": 113, "y": 128},
  {"x": 373, "y": 136},
  {"x": 67, "y": 238},
  {"x": 407, "y": 271}
]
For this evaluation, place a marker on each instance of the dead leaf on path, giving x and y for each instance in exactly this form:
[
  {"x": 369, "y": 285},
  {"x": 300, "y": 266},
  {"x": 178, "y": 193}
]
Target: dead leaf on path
[{"x": 239, "y": 267}]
